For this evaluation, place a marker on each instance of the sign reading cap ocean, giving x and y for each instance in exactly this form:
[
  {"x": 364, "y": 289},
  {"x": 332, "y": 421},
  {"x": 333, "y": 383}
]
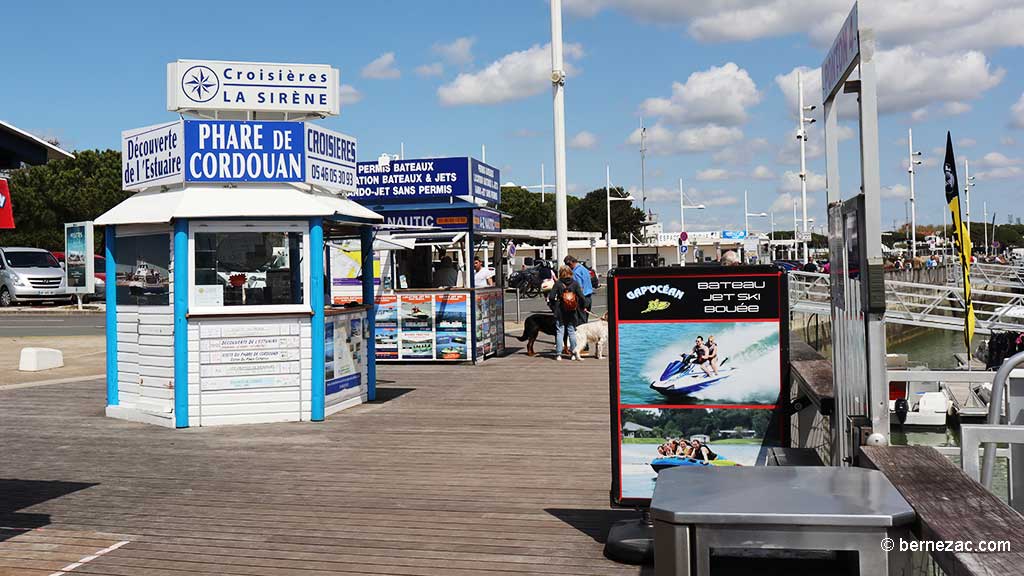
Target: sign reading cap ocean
[{"x": 732, "y": 363}]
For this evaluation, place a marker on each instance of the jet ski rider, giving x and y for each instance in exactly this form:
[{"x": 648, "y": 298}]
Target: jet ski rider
[
  {"x": 700, "y": 355},
  {"x": 712, "y": 347}
]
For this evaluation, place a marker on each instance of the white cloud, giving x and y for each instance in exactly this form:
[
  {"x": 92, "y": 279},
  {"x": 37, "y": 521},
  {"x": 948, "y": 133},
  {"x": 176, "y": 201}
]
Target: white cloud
[
  {"x": 997, "y": 160},
  {"x": 784, "y": 204},
  {"x": 720, "y": 95},
  {"x": 919, "y": 114},
  {"x": 956, "y": 108},
  {"x": 713, "y": 174},
  {"x": 514, "y": 76},
  {"x": 907, "y": 81},
  {"x": 741, "y": 153},
  {"x": 666, "y": 141},
  {"x": 1017, "y": 113},
  {"x": 348, "y": 94},
  {"x": 1008, "y": 141},
  {"x": 790, "y": 182},
  {"x": 762, "y": 172},
  {"x": 896, "y": 191},
  {"x": 583, "y": 141},
  {"x": 432, "y": 69},
  {"x": 714, "y": 198},
  {"x": 966, "y": 142},
  {"x": 458, "y": 52},
  {"x": 1001, "y": 173},
  {"x": 382, "y": 68}
]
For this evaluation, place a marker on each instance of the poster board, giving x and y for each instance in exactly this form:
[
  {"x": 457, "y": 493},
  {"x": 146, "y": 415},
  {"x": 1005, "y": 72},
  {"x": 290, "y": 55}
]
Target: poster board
[
  {"x": 79, "y": 265},
  {"x": 659, "y": 391}
]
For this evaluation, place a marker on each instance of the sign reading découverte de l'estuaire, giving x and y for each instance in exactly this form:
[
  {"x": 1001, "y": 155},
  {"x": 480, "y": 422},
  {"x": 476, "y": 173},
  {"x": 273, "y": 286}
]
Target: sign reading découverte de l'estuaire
[
  {"x": 237, "y": 151},
  {"x": 253, "y": 86}
]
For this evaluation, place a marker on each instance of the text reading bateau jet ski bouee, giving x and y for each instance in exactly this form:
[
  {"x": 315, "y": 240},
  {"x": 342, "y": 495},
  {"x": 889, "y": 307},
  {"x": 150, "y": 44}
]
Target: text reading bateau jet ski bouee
[{"x": 743, "y": 298}]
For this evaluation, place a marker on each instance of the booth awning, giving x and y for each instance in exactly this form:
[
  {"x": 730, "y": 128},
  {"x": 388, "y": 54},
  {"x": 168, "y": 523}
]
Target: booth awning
[
  {"x": 243, "y": 201},
  {"x": 17, "y": 146}
]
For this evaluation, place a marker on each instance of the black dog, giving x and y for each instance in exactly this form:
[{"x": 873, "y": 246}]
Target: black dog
[{"x": 535, "y": 324}]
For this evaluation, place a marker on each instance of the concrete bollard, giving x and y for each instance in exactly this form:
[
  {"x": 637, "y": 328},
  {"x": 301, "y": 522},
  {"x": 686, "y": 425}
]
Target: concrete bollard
[{"x": 36, "y": 359}]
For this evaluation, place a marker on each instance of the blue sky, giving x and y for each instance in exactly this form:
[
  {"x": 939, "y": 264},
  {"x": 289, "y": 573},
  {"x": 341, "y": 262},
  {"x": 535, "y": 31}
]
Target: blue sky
[{"x": 446, "y": 77}]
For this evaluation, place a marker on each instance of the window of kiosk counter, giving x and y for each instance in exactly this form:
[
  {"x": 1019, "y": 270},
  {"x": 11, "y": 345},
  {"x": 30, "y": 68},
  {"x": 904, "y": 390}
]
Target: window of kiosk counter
[{"x": 248, "y": 267}]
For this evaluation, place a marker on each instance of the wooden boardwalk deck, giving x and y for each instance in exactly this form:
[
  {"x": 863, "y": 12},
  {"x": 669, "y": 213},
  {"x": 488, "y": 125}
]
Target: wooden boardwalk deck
[{"x": 498, "y": 468}]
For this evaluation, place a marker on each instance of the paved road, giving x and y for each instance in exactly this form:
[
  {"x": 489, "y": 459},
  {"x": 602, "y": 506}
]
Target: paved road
[{"x": 47, "y": 325}]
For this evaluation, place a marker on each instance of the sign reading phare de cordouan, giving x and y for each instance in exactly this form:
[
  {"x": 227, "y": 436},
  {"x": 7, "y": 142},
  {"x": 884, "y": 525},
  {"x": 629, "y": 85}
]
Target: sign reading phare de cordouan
[{"x": 252, "y": 86}]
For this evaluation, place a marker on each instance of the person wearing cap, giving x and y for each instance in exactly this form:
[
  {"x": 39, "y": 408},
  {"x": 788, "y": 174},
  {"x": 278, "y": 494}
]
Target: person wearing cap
[{"x": 581, "y": 274}]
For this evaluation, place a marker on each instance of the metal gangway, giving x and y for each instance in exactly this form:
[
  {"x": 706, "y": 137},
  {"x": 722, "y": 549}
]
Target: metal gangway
[{"x": 930, "y": 305}]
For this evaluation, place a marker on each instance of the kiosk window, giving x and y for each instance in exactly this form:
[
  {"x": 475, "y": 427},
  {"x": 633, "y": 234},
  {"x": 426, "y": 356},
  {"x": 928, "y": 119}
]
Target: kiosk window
[
  {"x": 143, "y": 269},
  {"x": 248, "y": 268}
]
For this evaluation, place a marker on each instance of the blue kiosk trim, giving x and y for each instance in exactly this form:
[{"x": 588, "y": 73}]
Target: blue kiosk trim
[
  {"x": 316, "y": 296},
  {"x": 366, "y": 253},
  {"x": 110, "y": 268},
  {"x": 180, "y": 323}
]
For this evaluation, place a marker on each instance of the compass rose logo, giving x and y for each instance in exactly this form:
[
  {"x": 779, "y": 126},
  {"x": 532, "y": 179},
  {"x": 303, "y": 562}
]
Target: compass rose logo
[{"x": 200, "y": 84}]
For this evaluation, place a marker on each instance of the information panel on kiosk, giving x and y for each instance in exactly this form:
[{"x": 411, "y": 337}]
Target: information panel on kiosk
[
  {"x": 698, "y": 371},
  {"x": 427, "y": 179}
]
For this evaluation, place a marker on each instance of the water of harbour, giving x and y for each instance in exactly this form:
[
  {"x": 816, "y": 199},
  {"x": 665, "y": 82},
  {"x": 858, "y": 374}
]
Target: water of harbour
[{"x": 935, "y": 349}]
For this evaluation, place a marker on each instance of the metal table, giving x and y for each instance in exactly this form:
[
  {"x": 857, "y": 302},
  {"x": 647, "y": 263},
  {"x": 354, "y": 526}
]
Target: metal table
[{"x": 792, "y": 508}]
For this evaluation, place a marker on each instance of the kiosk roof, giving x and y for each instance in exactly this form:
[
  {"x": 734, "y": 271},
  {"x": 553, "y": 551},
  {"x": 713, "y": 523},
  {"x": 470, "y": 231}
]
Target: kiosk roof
[{"x": 242, "y": 201}]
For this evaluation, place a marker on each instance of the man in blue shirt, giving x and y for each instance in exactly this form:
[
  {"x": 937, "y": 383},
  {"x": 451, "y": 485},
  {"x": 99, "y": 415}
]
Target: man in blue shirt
[{"x": 581, "y": 274}]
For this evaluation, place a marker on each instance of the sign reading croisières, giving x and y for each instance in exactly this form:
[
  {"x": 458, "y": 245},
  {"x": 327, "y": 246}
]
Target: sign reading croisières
[{"x": 310, "y": 89}]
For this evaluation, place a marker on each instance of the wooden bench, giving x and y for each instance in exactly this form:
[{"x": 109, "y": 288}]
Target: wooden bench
[{"x": 951, "y": 507}]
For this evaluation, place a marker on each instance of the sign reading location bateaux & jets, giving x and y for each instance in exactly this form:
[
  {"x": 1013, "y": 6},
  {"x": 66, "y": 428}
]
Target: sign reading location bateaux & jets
[
  {"x": 237, "y": 151},
  {"x": 252, "y": 86},
  {"x": 422, "y": 178}
]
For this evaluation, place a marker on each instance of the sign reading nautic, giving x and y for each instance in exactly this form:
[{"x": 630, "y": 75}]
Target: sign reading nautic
[
  {"x": 252, "y": 86},
  {"x": 426, "y": 178},
  {"x": 237, "y": 151}
]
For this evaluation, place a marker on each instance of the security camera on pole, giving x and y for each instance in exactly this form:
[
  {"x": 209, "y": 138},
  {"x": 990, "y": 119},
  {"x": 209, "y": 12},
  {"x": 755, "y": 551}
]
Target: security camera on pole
[
  {"x": 801, "y": 135},
  {"x": 913, "y": 208}
]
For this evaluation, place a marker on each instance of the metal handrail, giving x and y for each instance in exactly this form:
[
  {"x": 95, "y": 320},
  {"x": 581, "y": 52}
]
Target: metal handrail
[
  {"x": 995, "y": 408},
  {"x": 937, "y": 305}
]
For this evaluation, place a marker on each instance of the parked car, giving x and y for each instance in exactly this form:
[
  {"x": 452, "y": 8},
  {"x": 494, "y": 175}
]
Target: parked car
[
  {"x": 99, "y": 271},
  {"x": 30, "y": 275}
]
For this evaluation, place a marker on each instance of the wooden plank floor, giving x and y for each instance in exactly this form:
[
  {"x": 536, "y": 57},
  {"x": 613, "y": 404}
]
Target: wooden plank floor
[{"x": 497, "y": 468}]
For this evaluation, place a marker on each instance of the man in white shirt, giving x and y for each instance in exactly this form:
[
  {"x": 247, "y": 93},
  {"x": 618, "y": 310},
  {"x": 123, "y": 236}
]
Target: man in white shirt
[{"x": 482, "y": 275}]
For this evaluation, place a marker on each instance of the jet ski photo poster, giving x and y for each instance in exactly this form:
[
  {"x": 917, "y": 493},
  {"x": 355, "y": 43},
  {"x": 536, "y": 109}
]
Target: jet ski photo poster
[{"x": 698, "y": 371}]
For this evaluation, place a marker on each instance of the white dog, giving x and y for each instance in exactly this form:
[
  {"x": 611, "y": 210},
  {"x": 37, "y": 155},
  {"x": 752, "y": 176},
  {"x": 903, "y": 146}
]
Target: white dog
[{"x": 593, "y": 334}]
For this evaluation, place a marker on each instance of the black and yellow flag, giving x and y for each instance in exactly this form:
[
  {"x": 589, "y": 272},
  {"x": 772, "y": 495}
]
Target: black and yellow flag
[{"x": 963, "y": 237}]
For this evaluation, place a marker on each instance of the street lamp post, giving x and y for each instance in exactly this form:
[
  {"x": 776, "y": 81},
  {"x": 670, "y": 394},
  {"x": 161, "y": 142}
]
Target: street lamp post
[
  {"x": 968, "y": 184},
  {"x": 682, "y": 219},
  {"x": 746, "y": 219},
  {"x": 913, "y": 207},
  {"x": 558, "y": 101},
  {"x": 801, "y": 135},
  {"x": 608, "y": 197},
  {"x": 771, "y": 239}
]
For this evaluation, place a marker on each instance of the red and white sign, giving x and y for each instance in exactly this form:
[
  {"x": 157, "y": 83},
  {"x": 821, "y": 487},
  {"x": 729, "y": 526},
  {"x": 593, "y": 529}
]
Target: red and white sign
[{"x": 6, "y": 209}]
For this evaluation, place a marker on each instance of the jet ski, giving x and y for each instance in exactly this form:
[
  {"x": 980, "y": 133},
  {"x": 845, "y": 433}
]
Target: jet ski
[
  {"x": 683, "y": 377},
  {"x": 660, "y": 464}
]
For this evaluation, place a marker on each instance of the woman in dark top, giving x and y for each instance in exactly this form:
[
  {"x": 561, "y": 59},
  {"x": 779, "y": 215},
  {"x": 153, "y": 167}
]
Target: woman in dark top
[{"x": 566, "y": 302}]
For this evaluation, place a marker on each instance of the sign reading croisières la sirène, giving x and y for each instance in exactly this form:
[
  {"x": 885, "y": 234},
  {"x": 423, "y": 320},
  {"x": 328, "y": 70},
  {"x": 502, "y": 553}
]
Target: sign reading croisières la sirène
[
  {"x": 299, "y": 89},
  {"x": 237, "y": 151}
]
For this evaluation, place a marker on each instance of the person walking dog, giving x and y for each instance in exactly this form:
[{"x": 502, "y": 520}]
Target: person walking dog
[{"x": 566, "y": 302}]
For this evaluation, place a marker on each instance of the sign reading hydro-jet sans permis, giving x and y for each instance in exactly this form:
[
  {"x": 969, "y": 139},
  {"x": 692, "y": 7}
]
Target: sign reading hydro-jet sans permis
[
  {"x": 238, "y": 151},
  {"x": 423, "y": 179},
  {"x": 310, "y": 89}
]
